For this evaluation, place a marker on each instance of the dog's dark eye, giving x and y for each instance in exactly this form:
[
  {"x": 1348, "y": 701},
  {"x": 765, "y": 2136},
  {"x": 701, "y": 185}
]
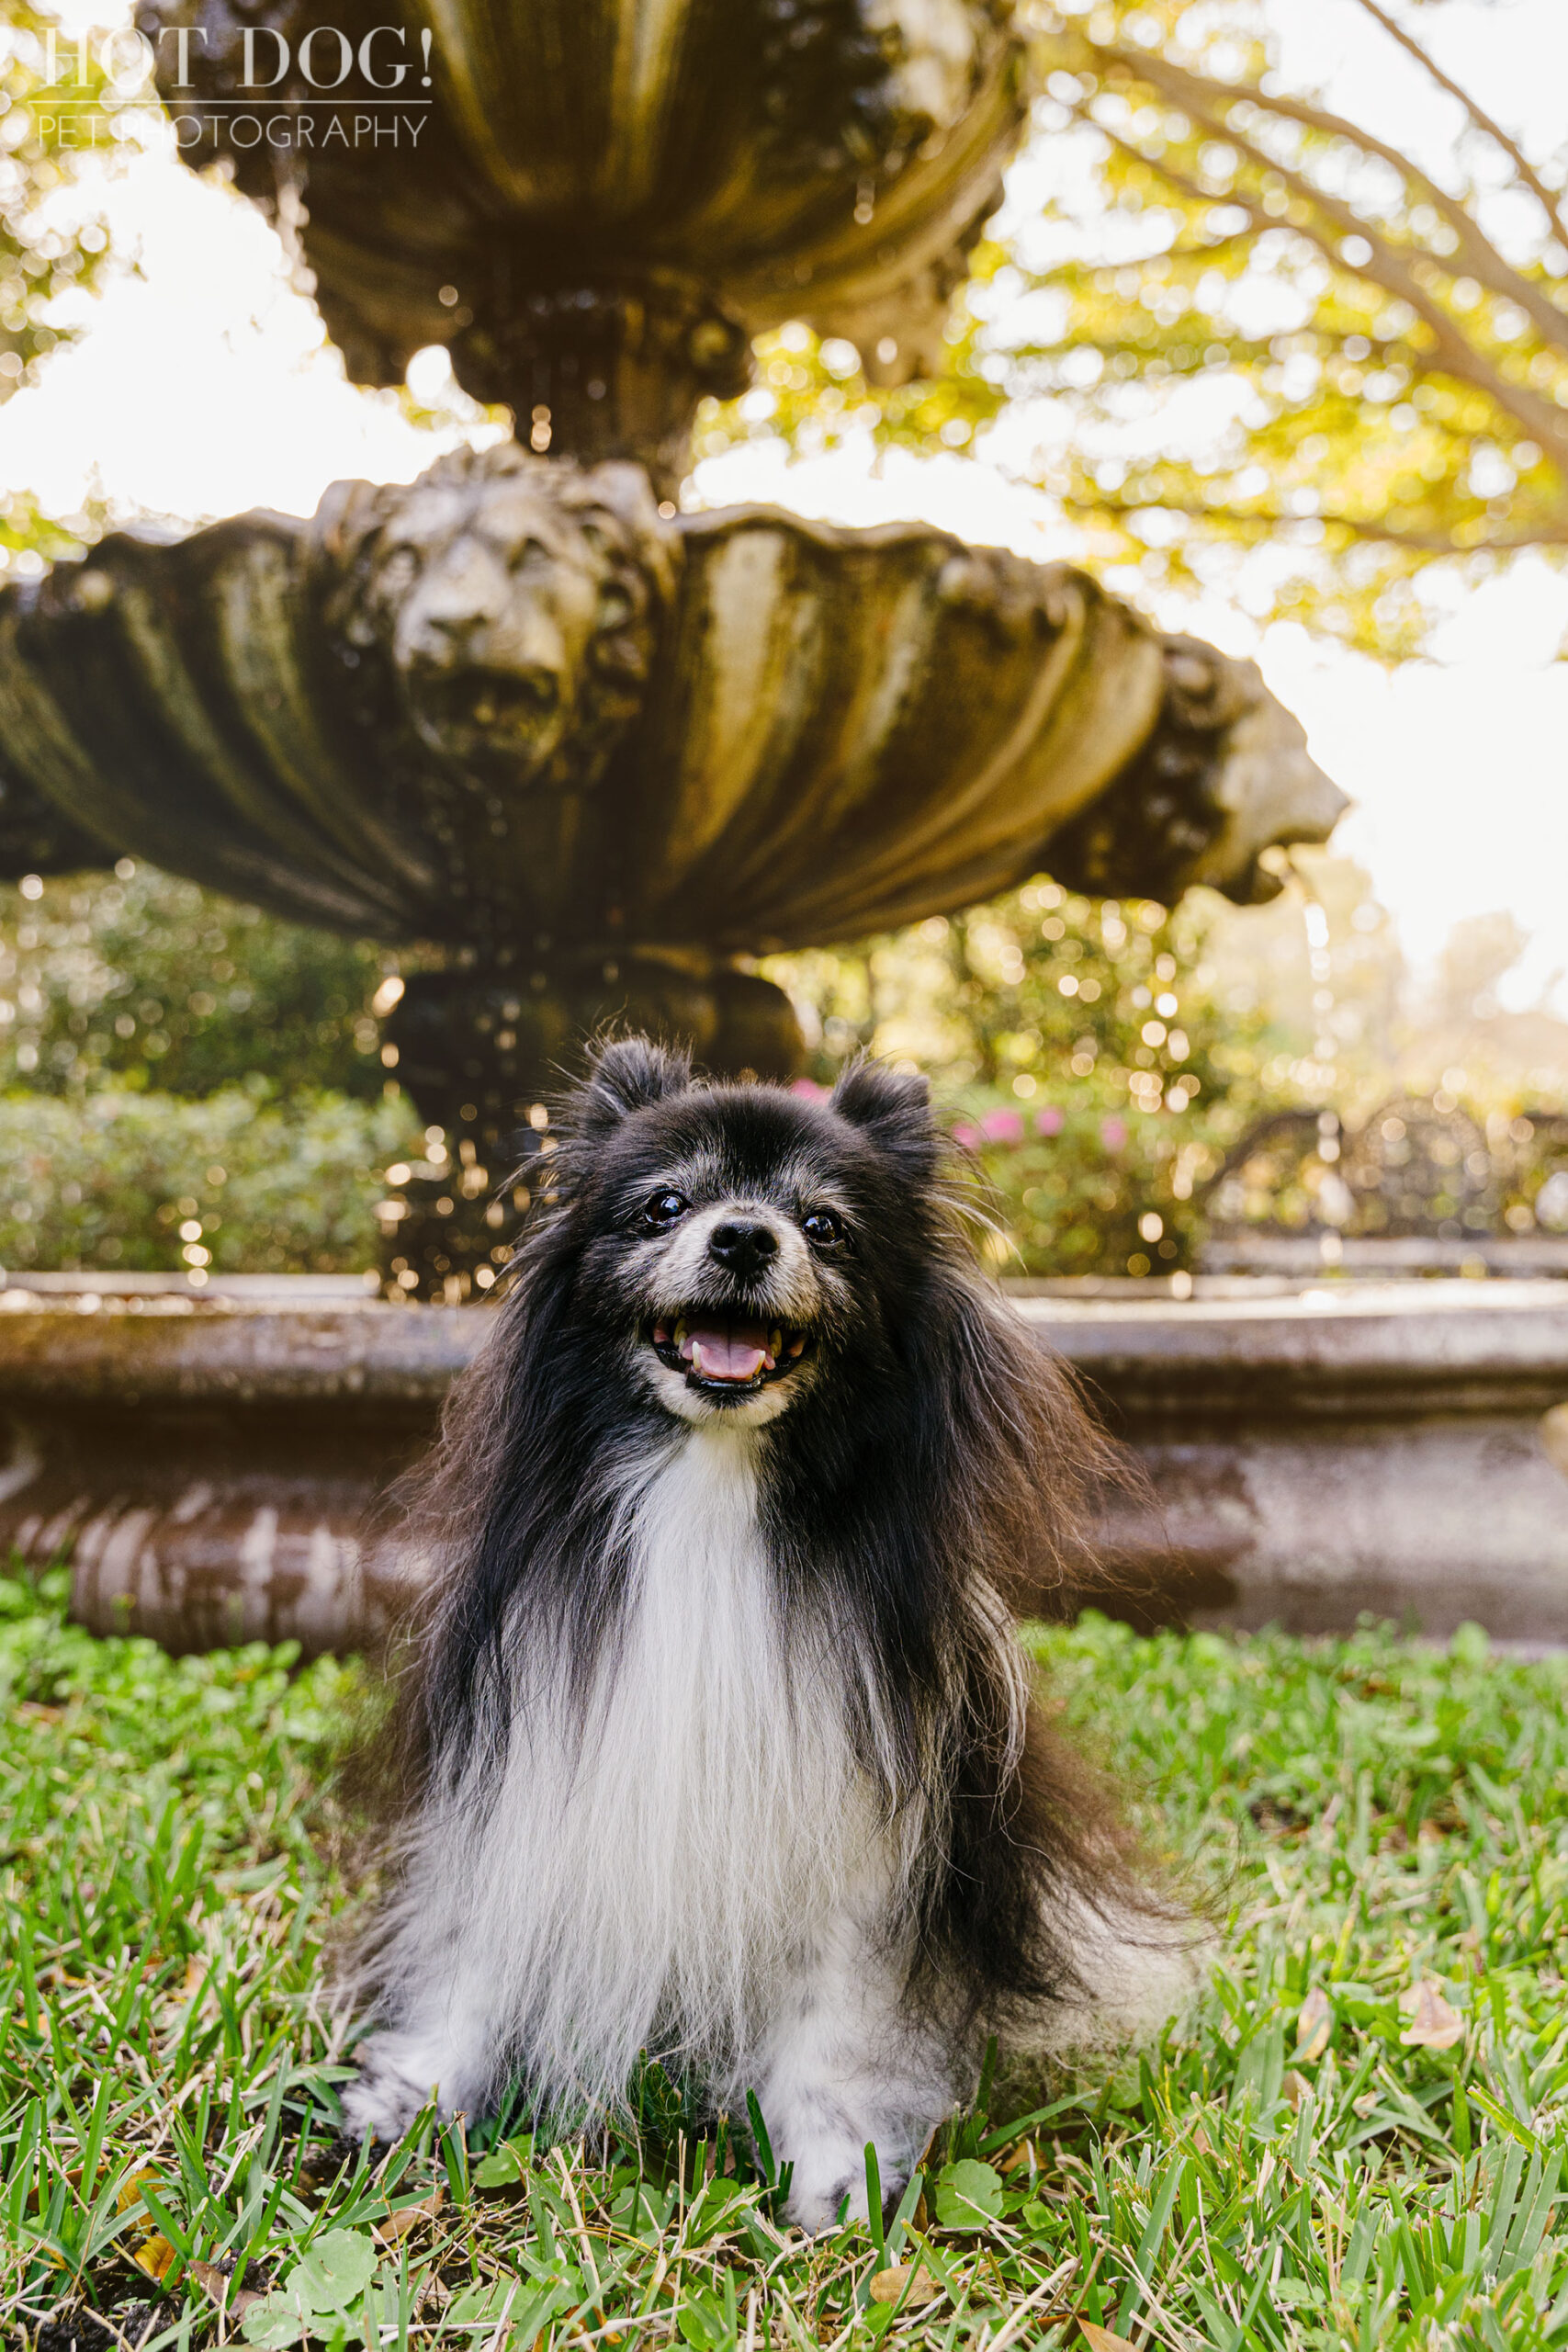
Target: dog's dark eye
[
  {"x": 663, "y": 1209},
  {"x": 823, "y": 1229}
]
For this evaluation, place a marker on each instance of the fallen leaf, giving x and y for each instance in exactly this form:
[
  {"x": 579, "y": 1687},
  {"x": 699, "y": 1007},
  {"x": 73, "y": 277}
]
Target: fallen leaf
[
  {"x": 1365, "y": 2104},
  {"x": 220, "y": 2285},
  {"x": 1203, "y": 2143},
  {"x": 398, "y": 2225},
  {"x": 33, "y": 1710},
  {"x": 1315, "y": 2023},
  {"x": 1295, "y": 2088},
  {"x": 1104, "y": 2339},
  {"x": 889, "y": 2285},
  {"x": 195, "y": 1979},
  {"x": 156, "y": 2257},
  {"x": 1019, "y": 2155},
  {"x": 1433, "y": 2024},
  {"x": 130, "y": 2190}
]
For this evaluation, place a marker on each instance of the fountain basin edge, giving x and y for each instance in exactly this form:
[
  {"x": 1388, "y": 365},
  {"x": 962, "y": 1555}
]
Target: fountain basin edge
[{"x": 213, "y": 1470}]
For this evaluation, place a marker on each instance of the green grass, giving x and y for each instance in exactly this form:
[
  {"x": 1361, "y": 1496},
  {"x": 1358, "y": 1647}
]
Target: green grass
[{"x": 1371, "y": 1816}]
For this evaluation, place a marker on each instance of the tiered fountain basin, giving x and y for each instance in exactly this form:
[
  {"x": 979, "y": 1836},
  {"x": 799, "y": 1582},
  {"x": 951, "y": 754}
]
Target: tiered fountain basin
[{"x": 216, "y": 1467}]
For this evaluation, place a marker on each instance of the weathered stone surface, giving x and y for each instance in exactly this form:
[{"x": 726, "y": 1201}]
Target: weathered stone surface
[
  {"x": 597, "y": 205},
  {"x": 1391, "y": 1448},
  {"x": 1398, "y": 1449},
  {"x": 510, "y": 709},
  {"x": 212, "y": 1472}
]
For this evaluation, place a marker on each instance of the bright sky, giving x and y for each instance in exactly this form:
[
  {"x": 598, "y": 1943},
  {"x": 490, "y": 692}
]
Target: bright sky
[{"x": 202, "y": 386}]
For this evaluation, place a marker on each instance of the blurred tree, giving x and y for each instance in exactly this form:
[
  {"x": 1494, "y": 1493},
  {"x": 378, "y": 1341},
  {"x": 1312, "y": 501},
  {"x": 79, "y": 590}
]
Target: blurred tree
[
  {"x": 1268, "y": 326},
  {"x": 138, "y": 980},
  {"x": 1480, "y": 952},
  {"x": 49, "y": 121}
]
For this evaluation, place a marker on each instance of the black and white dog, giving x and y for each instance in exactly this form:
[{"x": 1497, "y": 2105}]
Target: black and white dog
[{"x": 721, "y": 1746}]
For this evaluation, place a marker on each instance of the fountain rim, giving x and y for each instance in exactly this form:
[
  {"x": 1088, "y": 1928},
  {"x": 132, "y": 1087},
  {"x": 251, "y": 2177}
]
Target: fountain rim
[{"x": 1460, "y": 1340}]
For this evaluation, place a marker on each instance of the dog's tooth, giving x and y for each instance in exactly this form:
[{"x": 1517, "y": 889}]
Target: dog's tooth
[
  {"x": 679, "y": 1335},
  {"x": 697, "y": 1355}
]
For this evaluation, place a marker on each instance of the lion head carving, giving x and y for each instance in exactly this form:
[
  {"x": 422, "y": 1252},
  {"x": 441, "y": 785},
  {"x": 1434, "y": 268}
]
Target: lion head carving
[{"x": 516, "y": 601}]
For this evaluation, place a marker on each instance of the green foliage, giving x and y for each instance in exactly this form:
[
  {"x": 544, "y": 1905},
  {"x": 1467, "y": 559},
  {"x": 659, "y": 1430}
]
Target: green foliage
[
  {"x": 1096, "y": 1078},
  {"x": 317, "y": 2294},
  {"x": 171, "y": 1058},
  {"x": 115, "y": 1182},
  {"x": 1407, "y": 400},
  {"x": 1357, "y": 2139},
  {"x": 41, "y": 143},
  {"x": 968, "y": 2195},
  {"x": 1266, "y": 327},
  {"x": 815, "y": 395},
  {"x": 127, "y": 993},
  {"x": 136, "y": 979}
]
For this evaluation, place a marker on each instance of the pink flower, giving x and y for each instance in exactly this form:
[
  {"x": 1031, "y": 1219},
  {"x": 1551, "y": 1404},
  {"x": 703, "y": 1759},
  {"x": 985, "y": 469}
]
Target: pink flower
[
  {"x": 965, "y": 1135},
  {"x": 1002, "y": 1126},
  {"x": 1113, "y": 1134},
  {"x": 1048, "y": 1122},
  {"x": 809, "y": 1088}
]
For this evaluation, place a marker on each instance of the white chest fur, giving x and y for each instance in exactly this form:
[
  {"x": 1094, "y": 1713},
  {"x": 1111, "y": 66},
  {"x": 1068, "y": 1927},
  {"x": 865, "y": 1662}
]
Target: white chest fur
[{"x": 654, "y": 1874}]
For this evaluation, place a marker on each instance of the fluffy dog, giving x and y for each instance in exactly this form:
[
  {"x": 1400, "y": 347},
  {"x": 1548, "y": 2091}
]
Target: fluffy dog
[{"x": 720, "y": 1745}]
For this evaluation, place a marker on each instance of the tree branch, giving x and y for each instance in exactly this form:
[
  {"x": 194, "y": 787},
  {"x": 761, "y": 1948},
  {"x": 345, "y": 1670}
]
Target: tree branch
[
  {"x": 1483, "y": 260},
  {"x": 1425, "y": 543},
  {"x": 1549, "y": 203},
  {"x": 1388, "y": 268}
]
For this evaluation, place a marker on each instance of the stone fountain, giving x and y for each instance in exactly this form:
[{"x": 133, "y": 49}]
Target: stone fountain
[
  {"x": 589, "y": 754},
  {"x": 597, "y": 753}
]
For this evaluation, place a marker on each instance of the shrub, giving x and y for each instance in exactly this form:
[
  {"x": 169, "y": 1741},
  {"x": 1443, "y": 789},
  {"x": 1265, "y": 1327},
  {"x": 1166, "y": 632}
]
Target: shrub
[
  {"x": 116, "y": 1181},
  {"x": 1082, "y": 1057},
  {"x": 137, "y": 981}
]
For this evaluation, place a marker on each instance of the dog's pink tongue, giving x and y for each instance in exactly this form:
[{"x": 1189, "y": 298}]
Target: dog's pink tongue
[{"x": 725, "y": 1351}]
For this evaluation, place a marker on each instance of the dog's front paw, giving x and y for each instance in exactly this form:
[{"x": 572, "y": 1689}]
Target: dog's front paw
[
  {"x": 830, "y": 2177},
  {"x": 384, "y": 2097}
]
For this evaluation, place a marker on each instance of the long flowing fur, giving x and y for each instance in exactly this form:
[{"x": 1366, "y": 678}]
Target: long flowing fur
[{"x": 719, "y": 1742}]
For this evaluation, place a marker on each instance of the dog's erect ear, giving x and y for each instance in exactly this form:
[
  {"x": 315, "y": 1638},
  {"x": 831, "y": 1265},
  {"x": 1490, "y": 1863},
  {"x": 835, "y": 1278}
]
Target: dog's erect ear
[
  {"x": 625, "y": 1074},
  {"x": 894, "y": 1107}
]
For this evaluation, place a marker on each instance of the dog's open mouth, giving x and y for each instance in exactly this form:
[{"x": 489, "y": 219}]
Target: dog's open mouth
[{"x": 736, "y": 1353}]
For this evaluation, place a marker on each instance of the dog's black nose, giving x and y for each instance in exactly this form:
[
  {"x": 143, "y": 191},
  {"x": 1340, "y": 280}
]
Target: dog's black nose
[{"x": 743, "y": 1249}]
